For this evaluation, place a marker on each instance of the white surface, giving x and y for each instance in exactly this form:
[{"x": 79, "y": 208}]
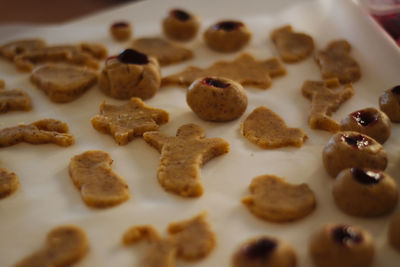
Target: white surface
[{"x": 47, "y": 197}]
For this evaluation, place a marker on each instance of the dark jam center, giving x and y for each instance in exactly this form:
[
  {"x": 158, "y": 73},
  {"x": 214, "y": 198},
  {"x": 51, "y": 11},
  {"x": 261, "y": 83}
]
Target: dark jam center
[
  {"x": 357, "y": 141},
  {"x": 364, "y": 118},
  {"x": 180, "y": 14},
  {"x": 260, "y": 249},
  {"x": 120, "y": 24},
  {"x": 130, "y": 56},
  {"x": 215, "y": 83},
  {"x": 228, "y": 25},
  {"x": 366, "y": 177},
  {"x": 346, "y": 235},
  {"x": 396, "y": 90}
]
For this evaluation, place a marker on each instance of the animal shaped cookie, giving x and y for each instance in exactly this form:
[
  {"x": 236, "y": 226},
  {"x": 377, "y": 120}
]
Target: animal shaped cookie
[
  {"x": 266, "y": 129},
  {"x": 14, "y": 48},
  {"x": 182, "y": 156},
  {"x": 394, "y": 231},
  {"x": 39, "y": 132},
  {"x": 335, "y": 62},
  {"x": 292, "y": 46},
  {"x": 99, "y": 186},
  {"x": 121, "y": 30},
  {"x": 63, "y": 83},
  {"x": 129, "y": 120},
  {"x": 325, "y": 98},
  {"x": 274, "y": 199},
  {"x": 65, "y": 245},
  {"x": 14, "y": 99},
  {"x": 389, "y": 102},
  {"x": 245, "y": 70},
  {"x": 180, "y": 25},
  {"x": 8, "y": 183}
]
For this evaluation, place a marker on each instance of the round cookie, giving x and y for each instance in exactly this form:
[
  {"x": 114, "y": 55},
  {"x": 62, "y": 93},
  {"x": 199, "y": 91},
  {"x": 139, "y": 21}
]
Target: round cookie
[
  {"x": 216, "y": 99},
  {"x": 227, "y": 36},
  {"x": 389, "y": 102},
  {"x": 394, "y": 231},
  {"x": 369, "y": 121},
  {"x": 264, "y": 251},
  {"x": 365, "y": 192},
  {"x": 130, "y": 74},
  {"x": 341, "y": 245},
  {"x": 351, "y": 149},
  {"x": 180, "y": 25},
  {"x": 121, "y": 30}
]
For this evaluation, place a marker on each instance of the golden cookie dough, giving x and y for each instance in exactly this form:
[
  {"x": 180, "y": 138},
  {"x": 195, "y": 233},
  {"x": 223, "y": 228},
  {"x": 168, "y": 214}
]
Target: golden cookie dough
[
  {"x": 97, "y": 50},
  {"x": 335, "y": 62},
  {"x": 121, "y": 31},
  {"x": 99, "y": 186},
  {"x": 325, "y": 98},
  {"x": 227, "y": 36},
  {"x": 180, "y": 25},
  {"x": 394, "y": 231},
  {"x": 14, "y": 48},
  {"x": 39, "y": 132},
  {"x": 268, "y": 130},
  {"x": 8, "y": 183},
  {"x": 182, "y": 156},
  {"x": 14, "y": 99},
  {"x": 264, "y": 251},
  {"x": 292, "y": 46},
  {"x": 63, "y": 83},
  {"x": 389, "y": 102},
  {"x": 2, "y": 84},
  {"x": 245, "y": 70},
  {"x": 65, "y": 245},
  {"x": 129, "y": 120},
  {"x": 273, "y": 199},
  {"x": 216, "y": 99},
  {"x": 365, "y": 192},
  {"x": 341, "y": 245},
  {"x": 353, "y": 150},
  {"x": 164, "y": 51},
  {"x": 130, "y": 74}
]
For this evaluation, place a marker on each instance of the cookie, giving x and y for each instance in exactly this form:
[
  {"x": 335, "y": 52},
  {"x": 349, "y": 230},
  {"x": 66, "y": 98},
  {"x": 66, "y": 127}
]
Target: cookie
[
  {"x": 227, "y": 36},
  {"x": 99, "y": 186},
  {"x": 65, "y": 245},
  {"x": 14, "y": 48},
  {"x": 97, "y": 50},
  {"x": 335, "y": 62},
  {"x": 368, "y": 121},
  {"x": 14, "y": 99},
  {"x": 216, "y": 99},
  {"x": 264, "y": 251},
  {"x": 325, "y": 98},
  {"x": 180, "y": 25},
  {"x": 365, "y": 192},
  {"x": 39, "y": 132},
  {"x": 389, "y": 102},
  {"x": 292, "y": 46},
  {"x": 164, "y": 51},
  {"x": 394, "y": 231},
  {"x": 63, "y": 83},
  {"x": 8, "y": 183},
  {"x": 182, "y": 156},
  {"x": 341, "y": 245},
  {"x": 268, "y": 130},
  {"x": 2, "y": 84},
  {"x": 130, "y": 74},
  {"x": 353, "y": 150},
  {"x": 129, "y": 120},
  {"x": 121, "y": 31},
  {"x": 273, "y": 199},
  {"x": 245, "y": 70}
]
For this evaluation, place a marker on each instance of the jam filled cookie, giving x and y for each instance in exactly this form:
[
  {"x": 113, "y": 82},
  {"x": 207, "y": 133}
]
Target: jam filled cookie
[
  {"x": 180, "y": 25},
  {"x": 389, "y": 102},
  {"x": 121, "y": 30},
  {"x": 8, "y": 183},
  {"x": 227, "y": 36},
  {"x": 264, "y": 252},
  {"x": 341, "y": 245},
  {"x": 216, "y": 99},
  {"x": 368, "y": 121},
  {"x": 394, "y": 231},
  {"x": 365, "y": 192},
  {"x": 351, "y": 149},
  {"x": 130, "y": 74}
]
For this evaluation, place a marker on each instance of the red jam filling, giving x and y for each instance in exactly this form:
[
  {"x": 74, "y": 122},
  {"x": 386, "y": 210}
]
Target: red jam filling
[
  {"x": 228, "y": 25},
  {"x": 366, "y": 177},
  {"x": 130, "y": 56},
  {"x": 215, "y": 83},
  {"x": 346, "y": 235},
  {"x": 180, "y": 15},
  {"x": 365, "y": 118},
  {"x": 356, "y": 141},
  {"x": 120, "y": 24},
  {"x": 260, "y": 249}
]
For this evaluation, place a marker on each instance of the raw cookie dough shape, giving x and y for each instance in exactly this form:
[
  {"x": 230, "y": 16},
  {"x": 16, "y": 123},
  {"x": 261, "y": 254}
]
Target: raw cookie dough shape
[
  {"x": 180, "y": 25},
  {"x": 264, "y": 251},
  {"x": 63, "y": 83},
  {"x": 163, "y": 50},
  {"x": 245, "y": 70},
  {"x": 182, "y": 156},
  {"x": 267, "y": 129},
  {"x": 341, "y": 245},
  {"x": 121, "y": 31},
  {"x": 389, "y": 102},
  {"x": 99, "y": 186},
  {"x": 365, "y": 192},
  {"x": 8, "y": 183},
  {"x": 129, "y": 120},
  {"x": 325, "y": 99},
  {"x": 39, "y": 132},
  {"x": 14, "y": 99},
  {"x": 65, "y": 245},
  {"x": 14, "y": 48},
  {"x": 394, "y": 232},
  {"x": 292, "y": 46},
  {"x": 335, "y": 62},
  {"x": 274, "y": 199}
]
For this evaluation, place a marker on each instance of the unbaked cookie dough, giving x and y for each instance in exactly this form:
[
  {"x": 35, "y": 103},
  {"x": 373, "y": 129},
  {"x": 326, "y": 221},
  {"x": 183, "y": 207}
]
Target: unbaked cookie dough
[
  {"x": 13, "y": 99},
  {"x": 394, "y": 231},
  {"x": 14, "y": 48},
  {"x": 8, "y": 183},
  {"x": 389, "y": 102},
  {"x": 180, "y": 25},
  {"x": 121, "y": 30}
]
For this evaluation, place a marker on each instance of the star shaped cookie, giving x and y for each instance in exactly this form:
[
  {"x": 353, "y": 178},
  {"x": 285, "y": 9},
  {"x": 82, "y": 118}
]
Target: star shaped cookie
[{"x": 129, "y": 120}]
